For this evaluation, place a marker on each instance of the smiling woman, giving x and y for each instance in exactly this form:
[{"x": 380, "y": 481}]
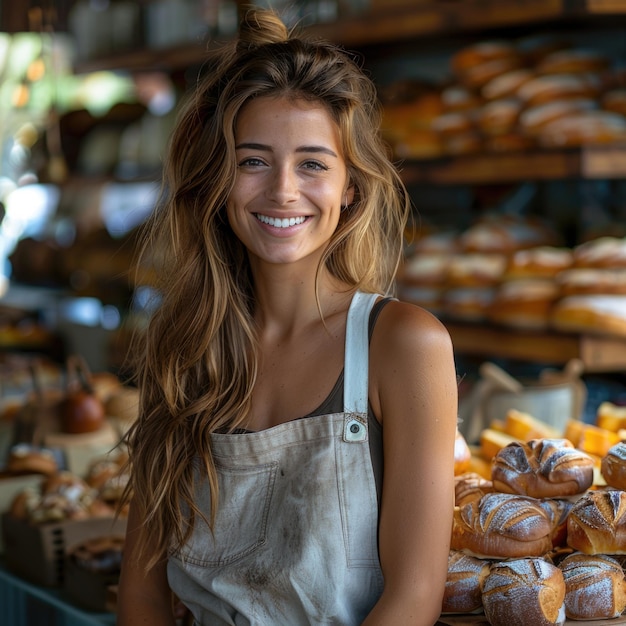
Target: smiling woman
[
  {"x": 290, "y": 182},
  {"x": 294, "y": 416}
]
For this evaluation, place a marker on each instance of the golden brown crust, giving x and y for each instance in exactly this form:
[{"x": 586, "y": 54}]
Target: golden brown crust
[
  {"x": 542, "y": 468},
  {"x": 595, "y": 587},
  {"x": 25, "y": 459},
  {"x": 463, "y": 591},
  {"x": 613, "y": 466},
  {"x": 524, "y": 591},
  {"x": 470, "y": 486},
  {"x": 502, "y": 525},
  {"x": 597, "y": 523}
]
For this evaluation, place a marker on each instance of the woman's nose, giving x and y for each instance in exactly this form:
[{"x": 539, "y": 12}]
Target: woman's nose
[{"x": 283, "y": 186}]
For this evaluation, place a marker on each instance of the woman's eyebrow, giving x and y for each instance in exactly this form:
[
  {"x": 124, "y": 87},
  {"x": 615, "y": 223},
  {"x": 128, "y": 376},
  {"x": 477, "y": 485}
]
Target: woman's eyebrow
[{"x": 266, "y": 148}]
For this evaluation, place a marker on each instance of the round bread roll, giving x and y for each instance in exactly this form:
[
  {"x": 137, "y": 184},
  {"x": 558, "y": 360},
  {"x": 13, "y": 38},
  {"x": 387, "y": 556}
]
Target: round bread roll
[
  {"x": 601, "y": 314},
  {"x": 499, "y": 117},
  {"x": 602, "y": 252},
  {"x": 595, "y": 587},
  {"x": 613, "y": 466},
  {"x": 596, "y": 523},
  {"x": 463, "y": 592},
  {"x": 501, "y": 526},
  {"x": 583, "y": 128},
  {"x": 27, "y": 459},
  {"x": 533, "y": 119},
  {"x": 506, "y": 85},
  {"x": 524, "y": 591},
  {"x": 542, "y": 468},
  {"x": 544, "y": 89},
  {"x": 475, "y": 269},
  {"x": 574, "y": 61},
  {"x": 469, "y": 487},
  {"x": 468, "y": 57},
  {"x": 584, "y": 281},
  {"x": 539, "y": 262},
  {"x": 524, "y": 303}
]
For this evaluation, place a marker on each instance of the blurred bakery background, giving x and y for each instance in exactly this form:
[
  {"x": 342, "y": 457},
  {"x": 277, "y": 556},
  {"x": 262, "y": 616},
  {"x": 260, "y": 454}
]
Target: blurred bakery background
[{"x": 507, "y": 120}]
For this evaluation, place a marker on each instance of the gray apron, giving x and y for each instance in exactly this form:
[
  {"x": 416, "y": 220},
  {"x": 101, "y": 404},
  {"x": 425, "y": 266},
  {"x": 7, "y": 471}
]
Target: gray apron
[{"x": 296, "y": 533}]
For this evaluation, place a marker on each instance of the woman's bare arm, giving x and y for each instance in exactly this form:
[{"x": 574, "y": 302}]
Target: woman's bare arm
[
  {"x": 413, "y": 391},
  {"x": 144, "y": 597}
]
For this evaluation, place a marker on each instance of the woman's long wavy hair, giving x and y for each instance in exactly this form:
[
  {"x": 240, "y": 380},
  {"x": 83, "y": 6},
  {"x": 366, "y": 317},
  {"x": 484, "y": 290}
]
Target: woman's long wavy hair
[{"x": 197, "y": 360}]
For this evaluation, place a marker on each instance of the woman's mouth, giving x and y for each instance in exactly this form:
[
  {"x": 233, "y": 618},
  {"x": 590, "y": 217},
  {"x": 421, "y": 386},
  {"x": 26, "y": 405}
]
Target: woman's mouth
[{"x": 277, "y": 222}]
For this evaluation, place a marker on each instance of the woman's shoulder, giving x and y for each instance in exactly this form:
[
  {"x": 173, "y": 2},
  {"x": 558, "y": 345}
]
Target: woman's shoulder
[{"x": 404, "y": 324}]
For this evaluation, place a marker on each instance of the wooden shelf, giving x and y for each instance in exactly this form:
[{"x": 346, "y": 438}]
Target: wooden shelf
[
  {"x": 454, "y": 16},
  {"x": 416, "y": 20},
  {"x": 598, "y": 353},
  {"x": 597, "y": 162}
]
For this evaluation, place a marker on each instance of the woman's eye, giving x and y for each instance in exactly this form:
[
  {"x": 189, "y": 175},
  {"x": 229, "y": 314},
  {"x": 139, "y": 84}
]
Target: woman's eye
[
  {"x": 315, "y": 165},
  {"x": 251, "y": 162}
]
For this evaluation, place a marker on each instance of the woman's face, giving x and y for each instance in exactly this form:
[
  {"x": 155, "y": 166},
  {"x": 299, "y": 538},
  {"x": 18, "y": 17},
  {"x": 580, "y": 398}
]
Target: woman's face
[{"x": 291, "y": 180}]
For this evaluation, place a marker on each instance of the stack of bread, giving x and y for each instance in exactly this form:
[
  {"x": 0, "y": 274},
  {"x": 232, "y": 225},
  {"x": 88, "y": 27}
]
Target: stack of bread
[
  {"x": 539, "y": 528},
  {"x": 63, "y": 495},
  {"x": 506, "y": 96},
  {"x": 515, "y": 273}
]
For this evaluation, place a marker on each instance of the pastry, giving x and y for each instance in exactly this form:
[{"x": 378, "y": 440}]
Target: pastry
[
  {"x": 596, "y": 523},
  {"x": 542, "y": 468},
  {"x": 501, "y": 526},
  {"x": 524, "y": 591}
]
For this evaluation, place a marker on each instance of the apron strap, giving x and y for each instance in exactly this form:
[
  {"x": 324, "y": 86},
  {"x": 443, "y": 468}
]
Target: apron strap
[{"x": 356, "y": 370}]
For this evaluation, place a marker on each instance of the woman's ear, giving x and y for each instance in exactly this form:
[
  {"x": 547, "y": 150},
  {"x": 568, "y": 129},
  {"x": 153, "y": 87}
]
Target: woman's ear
[{"x": 349, "y": 196}]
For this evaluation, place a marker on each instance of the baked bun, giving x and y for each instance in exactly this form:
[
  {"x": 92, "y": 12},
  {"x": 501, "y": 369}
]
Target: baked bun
[
  {"x": 501, "y": 526},
  {"x": 539, "y": 262},
  {"x": 613, "y": 466},
  {"x": 589, "y": 281},
  {"x": 464, "y": 583},
  {"x": 596, "y": 523},
  {"x": 524, "y": 591},
  {"x": 499, "y": 117},
  {"x": 506, "y": 85},
  {"x": 542, "y": 468},
  {"x": 583, "y": 128},
  {"x": 595, "y": 587},
  {"x": 469, "y": 487},
  {"x": 27, "y": 459},
  {"x": 524, "y": 303},
  {"x": 600, "y": 314},
  {"x": 462, "y": 454},
  {"x": 102, "y": 555},
  {"x": 602, "y": 252}
]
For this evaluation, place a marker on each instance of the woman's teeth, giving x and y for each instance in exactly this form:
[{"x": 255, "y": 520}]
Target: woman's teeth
[{"x": 280, "y": 223}]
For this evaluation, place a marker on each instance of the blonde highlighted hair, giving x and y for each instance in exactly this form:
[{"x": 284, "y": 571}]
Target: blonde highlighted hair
[{"x": 197, "y": 359}]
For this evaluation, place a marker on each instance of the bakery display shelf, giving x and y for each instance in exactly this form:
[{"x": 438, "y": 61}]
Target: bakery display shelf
[
  {"x": 481, "y": 620},
  {"x": 435, "y": 17},
  {"x": 599, "y": 354},
  {"x": 590, "y": 162},
  {"x": 402, "y": 21}
]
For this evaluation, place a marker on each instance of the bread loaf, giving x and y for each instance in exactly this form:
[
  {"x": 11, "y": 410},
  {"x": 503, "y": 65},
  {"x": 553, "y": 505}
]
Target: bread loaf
[
  {"x": 463, "y": 592},
  {"x": 501, "y": 526},
  {"x": 526, "y": 591},
  {"x": 596, "y": 523},
  {"x": 469, "y": 487},
  {"x": 613, "y": 466},
  {"x": 542, "y": 468},
  {"x": 595, "y": 587}
]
